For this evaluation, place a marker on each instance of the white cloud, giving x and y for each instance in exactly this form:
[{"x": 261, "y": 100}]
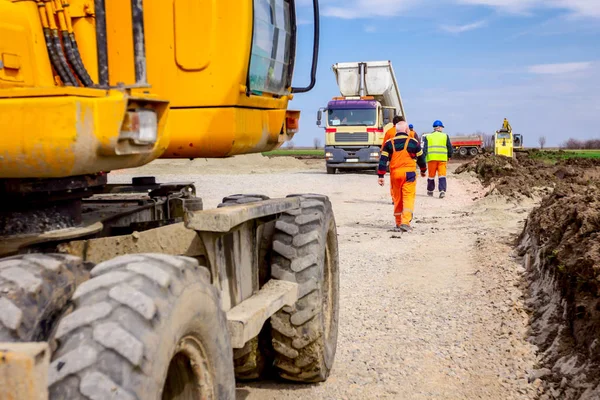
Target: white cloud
[
  {"x": 563, "y": 68},
  {"x": 353, "y": 9},
  {"x": 370, "y": 28},
  {"x": 580, "y": 8},
  {"x": 464, "y": 28}
]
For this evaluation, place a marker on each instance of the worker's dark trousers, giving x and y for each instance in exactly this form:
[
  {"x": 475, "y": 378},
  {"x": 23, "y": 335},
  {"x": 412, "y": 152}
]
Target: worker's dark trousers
[
  {"x": 442, "y": 184},
  {"x": 436, "y": 168}
]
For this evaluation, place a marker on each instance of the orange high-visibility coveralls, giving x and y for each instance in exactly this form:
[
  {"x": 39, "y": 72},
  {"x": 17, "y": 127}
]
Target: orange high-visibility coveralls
[
  {"x": 390, "y": 134},
  {"x": 403, "y": 153}
]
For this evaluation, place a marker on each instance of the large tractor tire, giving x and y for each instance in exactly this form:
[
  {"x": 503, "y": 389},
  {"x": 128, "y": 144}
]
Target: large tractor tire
[
  {"x": 305, "y": 251},
  {"x": 34, "y": 290},
  {"x": 145, "y": 327}
]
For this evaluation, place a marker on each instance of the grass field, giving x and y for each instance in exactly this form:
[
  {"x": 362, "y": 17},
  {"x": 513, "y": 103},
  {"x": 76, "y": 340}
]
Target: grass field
[
  {"x": 563, "y": 154},
  {"x": 295, "y": 153}
]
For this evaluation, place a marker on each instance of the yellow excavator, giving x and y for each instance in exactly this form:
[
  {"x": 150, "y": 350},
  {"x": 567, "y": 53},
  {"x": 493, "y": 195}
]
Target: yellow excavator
[
  {"x": 134, "y": 291},
  {"x": 506, "y": 143}
]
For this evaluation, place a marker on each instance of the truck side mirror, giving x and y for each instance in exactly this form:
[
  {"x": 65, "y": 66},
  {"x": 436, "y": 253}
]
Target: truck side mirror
[{"x": 319, "y": 117}]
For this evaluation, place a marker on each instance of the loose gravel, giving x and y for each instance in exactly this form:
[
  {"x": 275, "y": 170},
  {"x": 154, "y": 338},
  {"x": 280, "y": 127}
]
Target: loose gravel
[{"x": 433, "y": 314}]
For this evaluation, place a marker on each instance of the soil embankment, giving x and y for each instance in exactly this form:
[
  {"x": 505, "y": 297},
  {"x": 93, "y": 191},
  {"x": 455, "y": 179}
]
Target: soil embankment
[{"x": 560, "y": 246}]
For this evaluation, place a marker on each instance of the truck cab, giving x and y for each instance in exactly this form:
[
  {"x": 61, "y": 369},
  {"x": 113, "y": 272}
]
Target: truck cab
[
  {"x": 354, "y": 131},
  {"x": 355, "y": 122}
]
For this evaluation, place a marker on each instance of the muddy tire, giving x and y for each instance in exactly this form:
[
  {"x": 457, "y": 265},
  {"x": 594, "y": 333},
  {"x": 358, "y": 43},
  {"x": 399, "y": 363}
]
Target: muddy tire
[
  {"x": 463, "y": 151},
  {"x": 473, "y": 151},
  {"x": 305, "y": 251},
  {"x": 34, "y": 289},
  {"x": 146, "y": 326}
]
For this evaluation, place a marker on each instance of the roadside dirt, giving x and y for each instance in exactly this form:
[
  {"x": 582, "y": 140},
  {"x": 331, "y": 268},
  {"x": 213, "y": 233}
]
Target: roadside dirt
[
  {"x": 435, "y": 314},
  {"x": 560, "y": 246},
  {"x": 561, "y": 249},
  {"x": 527, "y": 177}
]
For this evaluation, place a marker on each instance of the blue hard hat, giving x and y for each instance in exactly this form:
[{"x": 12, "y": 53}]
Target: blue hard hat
[
  {"x": 411, "y": 126},
  {"x": 438, "y": 124}
]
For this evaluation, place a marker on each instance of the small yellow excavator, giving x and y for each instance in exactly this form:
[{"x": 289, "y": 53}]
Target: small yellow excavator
[{"x": 506, "y": 143}]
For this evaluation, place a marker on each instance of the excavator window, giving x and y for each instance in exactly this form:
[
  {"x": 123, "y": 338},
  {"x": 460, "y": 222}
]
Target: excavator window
[{"x": 271, "y": 47}]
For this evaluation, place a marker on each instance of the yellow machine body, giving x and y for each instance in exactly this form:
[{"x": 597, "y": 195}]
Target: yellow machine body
[
  {"x": 503, "y": 143},
  {"x": 199, "y": 62}
]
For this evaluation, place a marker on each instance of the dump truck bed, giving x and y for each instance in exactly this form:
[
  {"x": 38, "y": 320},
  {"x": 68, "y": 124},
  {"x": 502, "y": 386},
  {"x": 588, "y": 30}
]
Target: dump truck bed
[{"x": 380, "y": 82}]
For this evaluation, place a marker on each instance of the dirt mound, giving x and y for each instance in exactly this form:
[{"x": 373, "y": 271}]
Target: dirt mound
[
  {"x": 508, "y": 176},
  {"x": 524, "y": 176},
  {"x": 561, "y": 245},
  {"x": 242, "y": 164}
]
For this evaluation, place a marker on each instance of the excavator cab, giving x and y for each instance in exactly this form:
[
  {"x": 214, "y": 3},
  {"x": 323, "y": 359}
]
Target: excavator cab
[
  {"x": 518, "y": 141},
  {"x": 504, "y": 140}
]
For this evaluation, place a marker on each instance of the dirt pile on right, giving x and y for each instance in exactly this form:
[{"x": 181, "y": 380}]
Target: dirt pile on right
[
  {"x": 525, "y": 176},
  {"x": 560, "y": 246},
  {"x": 561, "y": 249}
]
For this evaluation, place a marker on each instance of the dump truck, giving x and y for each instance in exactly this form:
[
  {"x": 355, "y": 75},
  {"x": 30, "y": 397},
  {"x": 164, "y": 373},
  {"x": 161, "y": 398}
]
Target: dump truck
[
  {"x": 355, "y": 122},
  {"x": 467, "y": 144},
  {"x": 135, "y": 291}
]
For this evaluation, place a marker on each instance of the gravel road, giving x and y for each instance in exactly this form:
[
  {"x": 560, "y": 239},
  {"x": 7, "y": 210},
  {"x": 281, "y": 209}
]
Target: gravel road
[{"x": 434, "y": 314}]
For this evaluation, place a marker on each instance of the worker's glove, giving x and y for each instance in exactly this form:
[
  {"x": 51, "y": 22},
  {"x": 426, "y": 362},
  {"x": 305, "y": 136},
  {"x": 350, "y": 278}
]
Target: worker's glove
[
  {"x": 423, "y": 174},
  {"x": 381, "y": 181}
]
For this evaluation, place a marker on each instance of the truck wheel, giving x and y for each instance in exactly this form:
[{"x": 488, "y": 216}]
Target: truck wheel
[
  {"x": 330, "y": 171},
  {"x": 305, "y": 250},
  {"x": 34, "y": 289},
  {"x": 463, "y": 151},
  {"x": 146, "y": 326},
  {"x": 473, "y": 151}
]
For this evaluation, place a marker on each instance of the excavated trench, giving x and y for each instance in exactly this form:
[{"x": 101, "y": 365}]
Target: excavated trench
[{"x": 560, "y": 249}]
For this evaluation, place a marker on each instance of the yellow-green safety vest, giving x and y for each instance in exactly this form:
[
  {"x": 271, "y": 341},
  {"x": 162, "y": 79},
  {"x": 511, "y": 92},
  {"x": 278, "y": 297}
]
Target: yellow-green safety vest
[{"x": 436, "y": 146}]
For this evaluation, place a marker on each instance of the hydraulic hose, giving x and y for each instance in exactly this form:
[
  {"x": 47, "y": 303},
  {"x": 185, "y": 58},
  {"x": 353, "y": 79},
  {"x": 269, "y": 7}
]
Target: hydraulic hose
[
  {"x": 54, "y": 58},
  {"x": 69, "y": 78},
  {"x": 101, "y": 42},
  {"x": 68, "y": 38}
]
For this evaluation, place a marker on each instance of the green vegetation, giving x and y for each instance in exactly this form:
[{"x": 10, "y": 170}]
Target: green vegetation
[
  {"x": 564, "y": 154},
  {"x": 295, "y": 153}
]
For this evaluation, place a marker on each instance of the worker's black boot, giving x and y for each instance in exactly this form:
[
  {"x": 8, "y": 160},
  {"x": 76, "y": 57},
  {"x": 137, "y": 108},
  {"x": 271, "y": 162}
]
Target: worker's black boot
[
  {"x": 442, "y": 195},
  {"x": 430, "y": 194}
]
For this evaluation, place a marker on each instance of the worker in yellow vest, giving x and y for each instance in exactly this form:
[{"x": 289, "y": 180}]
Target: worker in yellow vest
[{"x": 438, "y": 150}]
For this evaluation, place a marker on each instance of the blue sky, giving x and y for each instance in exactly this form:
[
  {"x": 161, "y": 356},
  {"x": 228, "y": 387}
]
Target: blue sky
[{"x": 469, "y": 63}]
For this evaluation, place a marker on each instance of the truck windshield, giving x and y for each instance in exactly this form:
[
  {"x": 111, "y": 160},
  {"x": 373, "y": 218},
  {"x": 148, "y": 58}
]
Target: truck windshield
[
  {"x": 503, "y": 135},
  {"x": 346, "y": 117}
]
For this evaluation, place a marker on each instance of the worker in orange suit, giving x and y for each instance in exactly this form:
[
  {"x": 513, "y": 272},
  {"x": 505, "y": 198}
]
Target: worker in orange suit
[
  {"x": 403, "y": 154},
  {"x": 400, "y": 125},
  {"x": 412, "y": 133}
]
